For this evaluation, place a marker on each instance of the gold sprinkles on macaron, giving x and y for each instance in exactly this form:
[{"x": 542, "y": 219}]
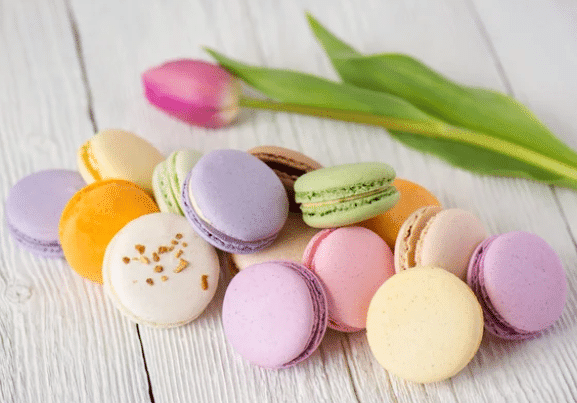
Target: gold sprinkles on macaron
[
  {"x": 182, "y": 264},
  {"x": 126, "y": 259},
  {"x": 158, "y": 269},
  {"x": 140, "y": 248},
  {"x": 178, "y": 236},
  {"x": 155, "y": 256},
  {"x": 149, "y": 281},
  {"x": 204, "y": 281},
  {"x": 164, "y": 278}
]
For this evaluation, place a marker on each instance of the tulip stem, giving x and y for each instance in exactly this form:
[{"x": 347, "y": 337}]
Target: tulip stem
[{"x": 430, "y": 129}]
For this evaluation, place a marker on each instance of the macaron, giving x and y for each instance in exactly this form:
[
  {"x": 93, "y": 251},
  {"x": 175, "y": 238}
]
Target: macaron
[
  {"x": 412, "y": 197},
  {"x": 33, "y": 209},
  {"x": 158, "y": 272},
  {"x": 435, "y": 237},
  {"x": 118, "y": 154},
  {"x": 352, "y": 263},
  {"x": 424, "y": 325},
  {"x": 520, "y": 282},
  {"x": 288, "y": 164},
  {"x": 93, "y": 216},
  {"x": 345, "y": 194},
  {"x": 168, "y": 176},
  {"x": 290, "y": 244},
  {"x": 274, "y": 314},
  {"x": 235, "y": 201}
]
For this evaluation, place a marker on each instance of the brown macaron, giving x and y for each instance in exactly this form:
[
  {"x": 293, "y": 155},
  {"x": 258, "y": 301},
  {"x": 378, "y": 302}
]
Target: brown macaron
[{"x": 288, "y": 164}]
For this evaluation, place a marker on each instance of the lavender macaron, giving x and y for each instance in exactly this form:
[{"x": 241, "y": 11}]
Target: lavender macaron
[
  {"x": 520, "y": 283},
  {"x": 34, "y": 206},
  {"x": 275, "y": 313},
  {"x": 235, "y": 201}
]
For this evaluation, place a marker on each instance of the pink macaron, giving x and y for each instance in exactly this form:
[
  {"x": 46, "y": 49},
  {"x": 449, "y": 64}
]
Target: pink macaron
[
  {"x": 520, "y": 283},
  {"x": 274, "y": 314},
  {"x": 352, "y": 263}
]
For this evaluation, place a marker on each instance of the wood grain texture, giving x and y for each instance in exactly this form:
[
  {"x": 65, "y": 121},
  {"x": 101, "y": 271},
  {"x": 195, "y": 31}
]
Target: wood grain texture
[{"x": 61, "y": 340}]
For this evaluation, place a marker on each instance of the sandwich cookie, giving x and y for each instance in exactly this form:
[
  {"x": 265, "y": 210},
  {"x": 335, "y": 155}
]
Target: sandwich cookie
[
  {"x": 235, "y": 201},
  {"x": 168, "y": 177},
  {"x": 290, "y": 244},
  {"x": 424, "y": 325},
  {"x": 435, "y": 237},
  {"x": 352, "y": 263},
  {"x": 289, "y": 165},
  {"x": 412, "y": 197},
  {"x": 158, "y": 272},
  {"x": 345, "y": 194},
  {"x": 34, "y": 206},
  {"x": 118, "y": 154},
  {"x": 520, "y": 282},
  {"x": 93, "y": 216},
  {"x": 274, "y": 314}
]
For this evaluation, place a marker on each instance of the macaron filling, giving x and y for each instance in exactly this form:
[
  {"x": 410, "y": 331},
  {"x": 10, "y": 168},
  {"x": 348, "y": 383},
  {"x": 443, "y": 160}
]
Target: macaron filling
[
  {"x": 161, "y": 181},
  {"x": 221, "y": 240},
  {"x": 47, "y": 248},
  {"x": 493, "y": 321},
  {"x": 89, "y": 161}
]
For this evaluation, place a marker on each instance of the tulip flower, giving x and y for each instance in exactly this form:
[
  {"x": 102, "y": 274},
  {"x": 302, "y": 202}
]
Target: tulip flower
[{"x": 197, "y": 92}]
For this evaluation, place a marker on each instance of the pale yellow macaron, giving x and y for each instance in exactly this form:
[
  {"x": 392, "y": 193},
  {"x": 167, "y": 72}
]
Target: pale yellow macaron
[
  {"x": 424, "y": 324},
  {"x": 118, "y": 154}
]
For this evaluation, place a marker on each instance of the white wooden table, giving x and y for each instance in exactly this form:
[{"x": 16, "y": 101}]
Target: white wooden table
[{"x": 70, "y": 68}]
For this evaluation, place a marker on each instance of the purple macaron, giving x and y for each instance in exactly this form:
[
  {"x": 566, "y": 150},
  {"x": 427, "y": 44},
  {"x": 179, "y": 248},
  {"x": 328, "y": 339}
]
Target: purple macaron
[
  {"x": 34, "y": 206},
  {"x": 275, "y": 313},
  {"x": 520, "y": 283},
  {"x": 235, "y": 201}
]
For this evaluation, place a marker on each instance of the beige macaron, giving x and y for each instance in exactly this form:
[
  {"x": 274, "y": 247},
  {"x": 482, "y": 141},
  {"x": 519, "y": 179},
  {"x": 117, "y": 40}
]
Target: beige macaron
[{"x": 424, "y": 325}]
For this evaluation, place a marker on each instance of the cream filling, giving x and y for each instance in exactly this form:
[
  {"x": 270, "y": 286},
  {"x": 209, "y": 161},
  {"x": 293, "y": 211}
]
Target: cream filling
[
  {"x": 373, "y": 192},
  {"x": 197, "y": 209}
]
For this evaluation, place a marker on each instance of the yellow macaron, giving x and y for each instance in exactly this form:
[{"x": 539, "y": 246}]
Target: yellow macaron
[
  {"x": 424, "y": 324},
  {"x": 93, "y": 216}
]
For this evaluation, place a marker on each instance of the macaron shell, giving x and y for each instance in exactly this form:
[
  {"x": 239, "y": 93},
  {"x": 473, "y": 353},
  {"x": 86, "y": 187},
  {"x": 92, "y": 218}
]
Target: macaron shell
[
  {"x": 424, "y": 325},
  {"x": 273, "y": 314},
  {"x": 237, "y": 194},
  {"x": 352, "y": 263},
  {"x": 408, "y": 237},
  {"x": 164, "y": 297},
  {"x": 163, "y": 195},
  {"x": 524, "y": 280},
  {"x": 33, "y": 208},
  {"x": 290, "y": 244},
  {"x": 412, "y": 197},
  {"x": 118, "y": 154},
  {"x": 448, "y": 241},
  {"x": 182, "y": 162},
  {"x": 93, "y": 216}
]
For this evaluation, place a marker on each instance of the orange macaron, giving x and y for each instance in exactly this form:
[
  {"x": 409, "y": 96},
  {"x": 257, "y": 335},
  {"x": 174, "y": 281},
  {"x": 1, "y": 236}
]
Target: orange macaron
[
  {"x": 388, "y": 224},
  {"x": 93, "y": 216}
]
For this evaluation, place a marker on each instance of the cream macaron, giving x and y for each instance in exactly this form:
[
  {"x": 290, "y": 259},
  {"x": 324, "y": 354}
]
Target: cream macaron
[{"x": 157, "y": 271}]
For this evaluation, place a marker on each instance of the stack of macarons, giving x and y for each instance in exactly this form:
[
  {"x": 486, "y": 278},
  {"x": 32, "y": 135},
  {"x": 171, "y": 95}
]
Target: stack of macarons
[{"x": 347, "y": 247}]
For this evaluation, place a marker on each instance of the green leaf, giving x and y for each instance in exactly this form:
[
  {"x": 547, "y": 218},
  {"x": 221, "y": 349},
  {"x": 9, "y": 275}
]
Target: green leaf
[
  {"x": 476, "y": 109},
  {"x": 480, "y": 152}
]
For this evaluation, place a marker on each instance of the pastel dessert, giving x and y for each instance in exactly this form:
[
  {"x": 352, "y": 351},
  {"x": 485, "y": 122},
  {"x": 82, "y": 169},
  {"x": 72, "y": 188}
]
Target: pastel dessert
[
  {"x": 168, "y": 177},
  {"x": 520, "y": 282},
  {"x": 118, "y": 154},
  {"x": 34, "y": 206},
  {"x": 290, "y": 244},
  {"x": 435, "y": 237},
  {"x": 412, "y": 198},
  {"x": 424, "y": 325},
  {"x": 274, "y": 314},
  {"x": 352, "y": 263},
  {"x": 288, "y": 164},
  {"x": 235, "y": 201},
  {"x": 158, "y": 272},
  {"x": 345, "y": 194},
  {"x": 93, "y": 216}
]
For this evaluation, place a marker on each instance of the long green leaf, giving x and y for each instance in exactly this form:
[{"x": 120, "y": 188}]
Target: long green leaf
[
  {"x": 302, "y": 93},
  {"x": 475, "y": 109}
]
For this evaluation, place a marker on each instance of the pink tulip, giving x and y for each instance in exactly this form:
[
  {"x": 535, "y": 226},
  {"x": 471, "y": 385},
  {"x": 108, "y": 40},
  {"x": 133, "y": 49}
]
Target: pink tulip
[{"x": 197, "y": 92}]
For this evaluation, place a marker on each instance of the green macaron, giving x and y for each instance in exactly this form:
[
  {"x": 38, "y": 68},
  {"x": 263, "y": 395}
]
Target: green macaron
[
  {"x": 168, "y": 176},
  {"x": 345, "y": 194}
]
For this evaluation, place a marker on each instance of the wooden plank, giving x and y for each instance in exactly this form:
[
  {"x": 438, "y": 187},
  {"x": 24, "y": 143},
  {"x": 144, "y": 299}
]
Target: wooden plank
[{"x": 60, "y": 340}]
